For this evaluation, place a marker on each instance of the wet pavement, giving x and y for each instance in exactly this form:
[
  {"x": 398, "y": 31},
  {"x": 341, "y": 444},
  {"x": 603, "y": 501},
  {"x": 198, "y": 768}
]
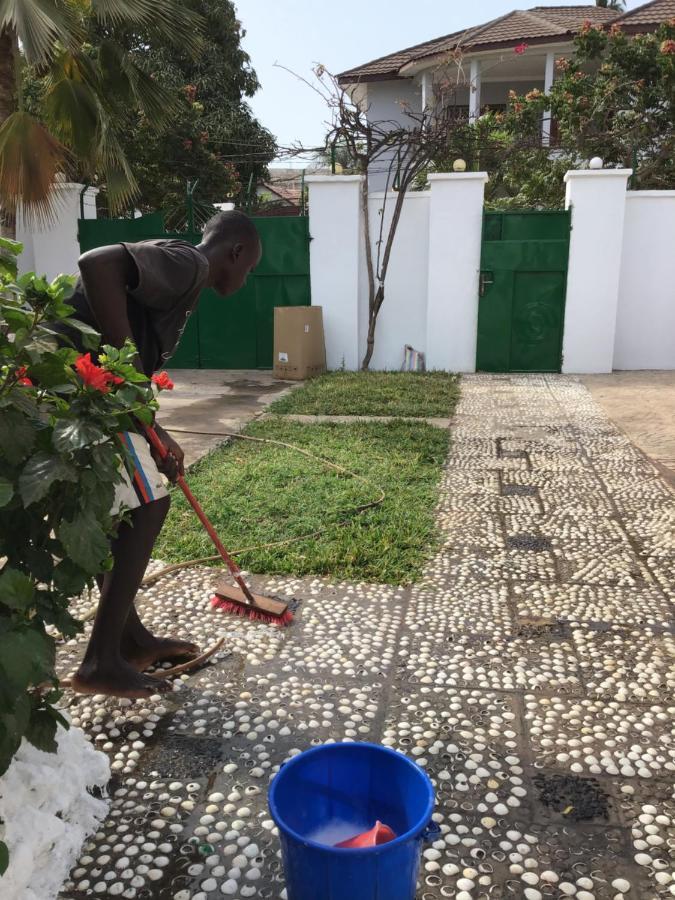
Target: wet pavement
[
  {"x": 205, "y": 403},
  {"x": 531, "y": 673}
]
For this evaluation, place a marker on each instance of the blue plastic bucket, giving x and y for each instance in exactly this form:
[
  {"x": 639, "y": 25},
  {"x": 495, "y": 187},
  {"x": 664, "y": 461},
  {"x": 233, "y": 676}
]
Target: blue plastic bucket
[{"x": 354, "y": 783}]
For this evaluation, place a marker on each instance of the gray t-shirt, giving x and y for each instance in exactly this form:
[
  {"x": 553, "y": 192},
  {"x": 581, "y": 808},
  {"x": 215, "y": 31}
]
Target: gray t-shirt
[{"x": 171, "y": 276}]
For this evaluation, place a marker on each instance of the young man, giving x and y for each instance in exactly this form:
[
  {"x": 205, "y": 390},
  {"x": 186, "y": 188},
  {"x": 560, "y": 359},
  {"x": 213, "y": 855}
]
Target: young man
[{"x": 146, "y": 292}]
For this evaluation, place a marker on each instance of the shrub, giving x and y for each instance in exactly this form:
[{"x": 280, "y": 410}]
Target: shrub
[{"x": 59, "y": 464}]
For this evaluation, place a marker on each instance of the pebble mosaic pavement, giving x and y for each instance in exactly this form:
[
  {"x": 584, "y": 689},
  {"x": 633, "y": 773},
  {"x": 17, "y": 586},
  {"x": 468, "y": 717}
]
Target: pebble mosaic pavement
[{"x": 531, "y": 672}]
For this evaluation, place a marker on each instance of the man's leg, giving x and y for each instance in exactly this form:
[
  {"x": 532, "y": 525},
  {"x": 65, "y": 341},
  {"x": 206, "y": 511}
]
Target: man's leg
[{"x": 103, "y": 669}]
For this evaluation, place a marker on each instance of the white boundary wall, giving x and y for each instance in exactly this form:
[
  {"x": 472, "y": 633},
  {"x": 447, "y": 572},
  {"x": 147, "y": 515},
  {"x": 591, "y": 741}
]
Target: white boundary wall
[
  {"x": 620, "y": 304},
  {"x": 645, "y": 325},
  {"x": 54, "y": 249},
  {"x": 431, "y": 299}
]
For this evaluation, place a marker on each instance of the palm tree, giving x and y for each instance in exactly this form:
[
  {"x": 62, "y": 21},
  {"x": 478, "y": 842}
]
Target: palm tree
[
  {"x": 85, "y": 88},
  {"x": 617, "y": 5}
]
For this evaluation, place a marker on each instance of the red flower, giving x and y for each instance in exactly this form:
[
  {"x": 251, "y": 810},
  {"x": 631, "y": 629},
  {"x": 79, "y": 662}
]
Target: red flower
[
  {"x": 163, "y": 382},
  {"x": 95, "y": 376},
  {"x": 520, "y": 48},
  {"x": 187, "y": 144},
  {"x": 21, "y": 374},
  {"x": 668, "y": 46}
]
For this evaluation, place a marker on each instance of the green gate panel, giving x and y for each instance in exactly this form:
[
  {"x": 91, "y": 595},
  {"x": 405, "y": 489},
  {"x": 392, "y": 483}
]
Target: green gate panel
[
  {"x": 228, "y": 332},
  {"x": 537, "y": 321},
  {"x": 227, "y": 329},
  {"x": 187, "y": 355},
  {"x": 92, "y": 233},
  {"x": 522, "y": 291}
]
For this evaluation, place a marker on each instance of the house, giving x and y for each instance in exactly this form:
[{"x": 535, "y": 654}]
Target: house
[
  {"x": 476, "y": 68},
  {"x": 281, "y": 194}
]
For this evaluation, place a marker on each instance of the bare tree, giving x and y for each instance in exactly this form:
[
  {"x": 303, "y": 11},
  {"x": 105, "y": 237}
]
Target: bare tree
[{"x": 400, "y": 152}]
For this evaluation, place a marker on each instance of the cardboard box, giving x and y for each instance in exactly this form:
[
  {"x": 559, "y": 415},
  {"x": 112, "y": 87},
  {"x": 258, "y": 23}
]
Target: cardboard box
[{"x": 299, "y": 347}]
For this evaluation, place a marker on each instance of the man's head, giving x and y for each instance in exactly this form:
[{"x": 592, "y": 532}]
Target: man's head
[{"x": 232, "y": 247}]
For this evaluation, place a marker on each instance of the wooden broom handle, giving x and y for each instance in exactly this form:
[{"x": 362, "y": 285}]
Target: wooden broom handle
[{"x": 154, "y": 439}]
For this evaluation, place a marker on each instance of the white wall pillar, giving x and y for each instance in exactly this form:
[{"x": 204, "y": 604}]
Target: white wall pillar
[
  {"x": 335, "y": 226},
  {"x": 455, "y": 230},
  {"x": 474, "y": 90},
  {"x": 598, "y": 201},
  {"x": 53, "y": 249},
  {"x": 549, "y": 74}
]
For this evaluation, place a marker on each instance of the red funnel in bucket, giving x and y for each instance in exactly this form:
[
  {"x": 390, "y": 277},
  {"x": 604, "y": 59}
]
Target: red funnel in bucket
[{"x": 378, "y": 834}]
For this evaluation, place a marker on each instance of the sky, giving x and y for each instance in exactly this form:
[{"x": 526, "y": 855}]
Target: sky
[{"x": 298, "y": 34}]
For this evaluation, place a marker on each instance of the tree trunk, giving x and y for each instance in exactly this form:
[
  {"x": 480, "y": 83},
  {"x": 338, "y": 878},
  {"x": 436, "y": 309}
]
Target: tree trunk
[
  {"x": 7, "y": 107},
  {"x": 372, "y": 323}
]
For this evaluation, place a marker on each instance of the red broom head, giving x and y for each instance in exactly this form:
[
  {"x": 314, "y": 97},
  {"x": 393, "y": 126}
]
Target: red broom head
[{"x": 256, "y": 615}]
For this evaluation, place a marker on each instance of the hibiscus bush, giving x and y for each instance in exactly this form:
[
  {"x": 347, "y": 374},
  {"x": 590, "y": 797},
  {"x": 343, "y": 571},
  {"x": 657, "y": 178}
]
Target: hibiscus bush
[{"x": 60, "y": 459}]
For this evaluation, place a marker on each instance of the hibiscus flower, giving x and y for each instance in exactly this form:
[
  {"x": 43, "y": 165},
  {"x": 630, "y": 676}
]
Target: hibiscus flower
[
  {"x": 163, "y": 382},
  {"x": 95, "y": 376},
  {"x": 22, "y": 376}
]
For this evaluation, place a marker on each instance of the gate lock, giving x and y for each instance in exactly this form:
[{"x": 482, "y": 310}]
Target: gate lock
[{"x": 485, "y": 280}]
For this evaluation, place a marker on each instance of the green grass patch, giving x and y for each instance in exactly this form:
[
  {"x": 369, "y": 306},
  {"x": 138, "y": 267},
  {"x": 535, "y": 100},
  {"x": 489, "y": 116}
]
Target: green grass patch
[
  {"x": 259, "y": 493},
  {"x": 418, "y": 394}
]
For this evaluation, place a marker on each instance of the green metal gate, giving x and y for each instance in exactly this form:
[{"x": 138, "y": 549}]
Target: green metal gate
[
  {"x": 523, "y": 279},
  {"x": 228, "y": 332}
]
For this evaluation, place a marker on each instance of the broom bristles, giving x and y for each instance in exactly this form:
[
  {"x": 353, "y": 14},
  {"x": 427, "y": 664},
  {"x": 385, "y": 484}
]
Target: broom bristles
[{"x": 256, "y": 615}]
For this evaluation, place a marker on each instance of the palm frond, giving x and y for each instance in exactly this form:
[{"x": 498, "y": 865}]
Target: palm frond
[
  {"x": 70, "y": 103},
  {"x": 39, "y": 24},
  {"x": 114, "y": 167},
  {"x": 169, "y": 18},
  {"x": 125, "y": 80},
  {"x": 30, "y": 158}
]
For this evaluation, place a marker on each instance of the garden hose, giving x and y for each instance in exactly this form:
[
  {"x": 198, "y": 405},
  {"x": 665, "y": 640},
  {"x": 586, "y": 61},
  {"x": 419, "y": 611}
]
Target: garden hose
[{"x": 357, "y": 510}]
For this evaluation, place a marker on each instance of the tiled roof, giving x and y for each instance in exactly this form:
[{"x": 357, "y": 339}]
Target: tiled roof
[
  {"x": 538, "y": 24},
  {"x": 650, "y": 14}
]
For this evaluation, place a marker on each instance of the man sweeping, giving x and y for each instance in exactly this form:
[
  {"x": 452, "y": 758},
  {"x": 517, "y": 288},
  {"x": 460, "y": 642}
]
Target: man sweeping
[{"x": 145, "y": 292}]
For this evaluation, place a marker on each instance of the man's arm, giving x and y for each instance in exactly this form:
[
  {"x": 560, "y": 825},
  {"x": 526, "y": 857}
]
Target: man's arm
[{"x": 107, "y": 274}]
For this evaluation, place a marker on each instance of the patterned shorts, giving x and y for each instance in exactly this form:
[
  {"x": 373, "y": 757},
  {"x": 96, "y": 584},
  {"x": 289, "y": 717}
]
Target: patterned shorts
[{"x": 143, "y": 482}]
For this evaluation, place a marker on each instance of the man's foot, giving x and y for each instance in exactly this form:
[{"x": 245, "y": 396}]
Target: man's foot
[
  {"x": 116, "y": 680},
  {"x": 151, "y": 650}
]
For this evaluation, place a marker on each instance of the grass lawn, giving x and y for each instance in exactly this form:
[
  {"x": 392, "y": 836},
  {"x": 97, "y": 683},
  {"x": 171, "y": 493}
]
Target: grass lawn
[
  {"x": 257, "y": 493},
  {"x": 418, "y": 394}
]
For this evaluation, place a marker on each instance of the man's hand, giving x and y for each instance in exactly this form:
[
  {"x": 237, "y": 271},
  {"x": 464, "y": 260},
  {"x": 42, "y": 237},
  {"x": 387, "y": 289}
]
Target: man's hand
[{"x": 173, "y": 464}]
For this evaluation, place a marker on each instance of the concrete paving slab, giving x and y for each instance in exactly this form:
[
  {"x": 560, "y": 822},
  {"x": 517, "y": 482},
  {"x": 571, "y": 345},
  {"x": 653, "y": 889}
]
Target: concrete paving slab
[
  {"x": 215, "y": 401},
  {"x": 643, "y": 405},
  {"x": 531, "y": 673}
]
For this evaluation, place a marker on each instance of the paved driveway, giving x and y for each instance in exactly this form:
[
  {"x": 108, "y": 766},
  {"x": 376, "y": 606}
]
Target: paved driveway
[{"x": 531, "y": 673}]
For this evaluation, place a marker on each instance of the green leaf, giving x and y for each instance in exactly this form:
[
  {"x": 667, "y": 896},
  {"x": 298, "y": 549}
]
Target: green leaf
[
  {"x": 4, "y": 857},
  {"x": 6, "y": 491},
  {"x": 40, "y": 473},
  {"x": 17, "y": 436},
  {"x": 41, "y": 731},
  {"x": 16, "y": 589},
  {"x": 73, "y": 434},
  {"x": 13, "y": 722},
  {"x": 90, "y": 337},
  {"x": 69, "y": 578},
  {"x": 85, "y": 542},
  {"x": 26, "y": 657}
]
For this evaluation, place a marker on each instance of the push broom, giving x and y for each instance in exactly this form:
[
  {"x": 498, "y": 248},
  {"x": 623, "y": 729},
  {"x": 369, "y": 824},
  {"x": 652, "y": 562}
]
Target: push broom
[{"x": 240, "y": 601}]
